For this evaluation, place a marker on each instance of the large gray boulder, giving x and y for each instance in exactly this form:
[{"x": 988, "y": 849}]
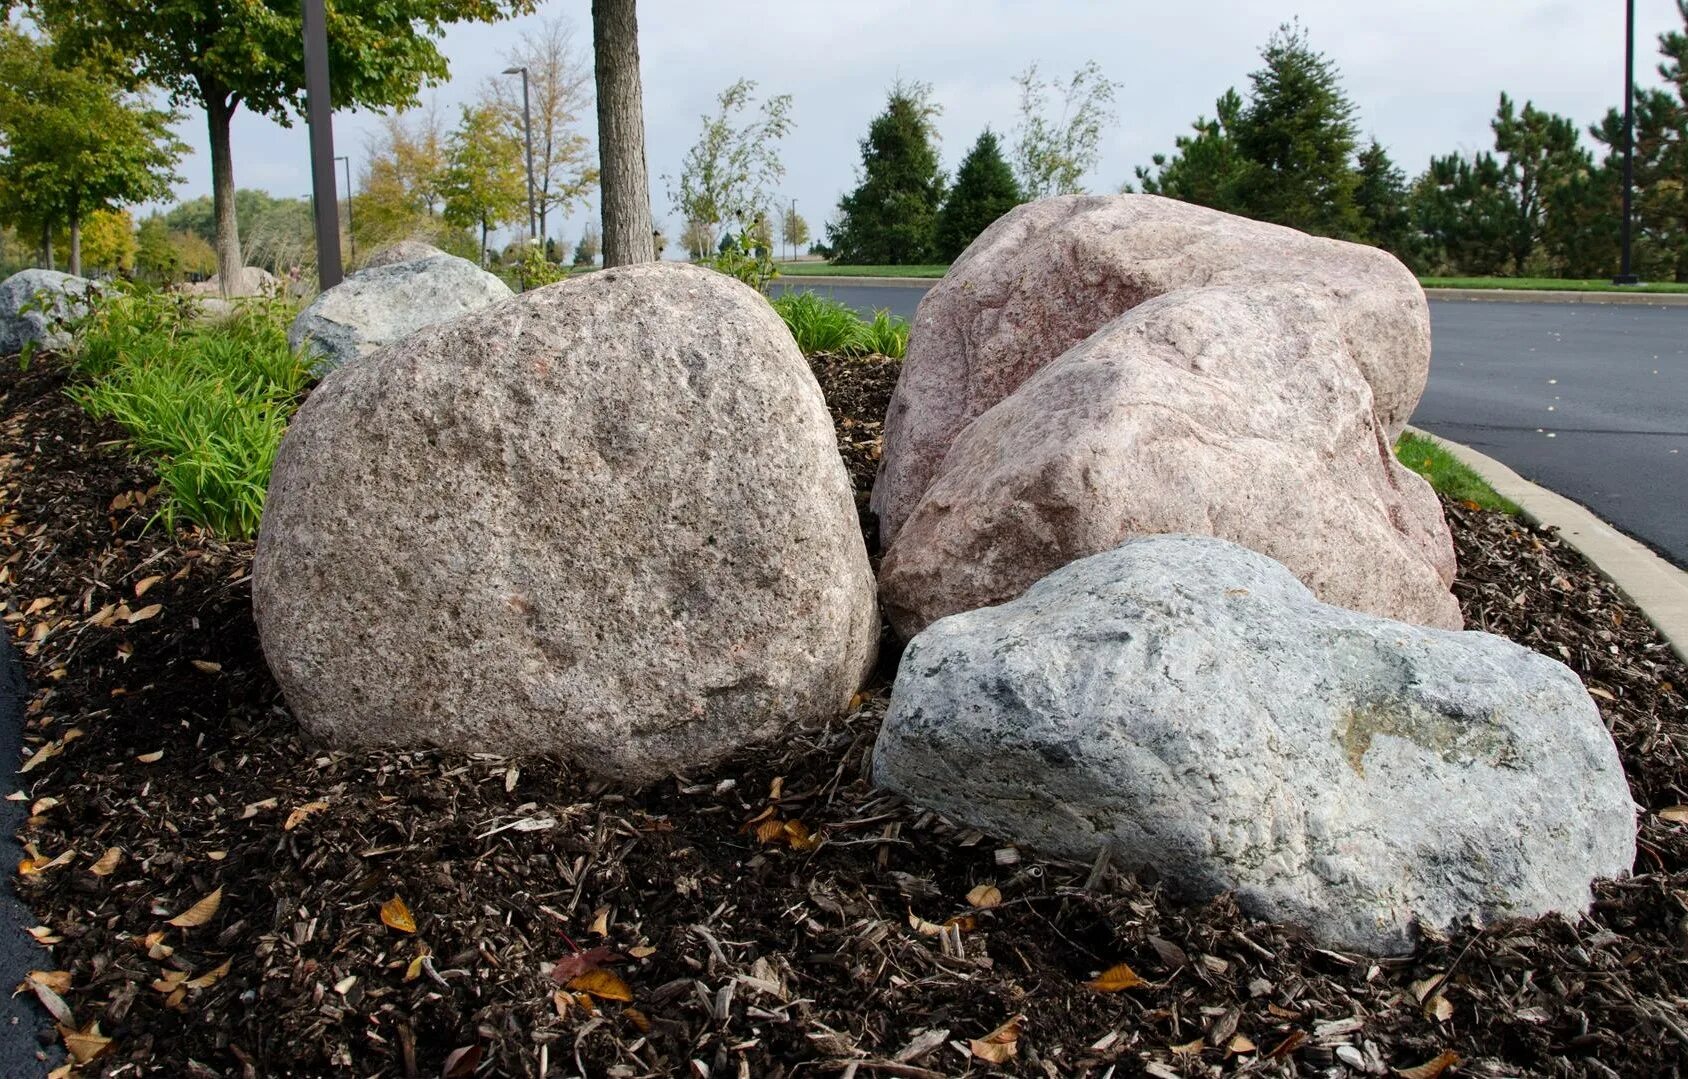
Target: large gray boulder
[
  {"x": 248, "y": 281},
  {"x": 66, "y": 297},
  {"x": 1190, "y": 705},
  {"x": 1236, "y": 412},
  {"x": 606, "y": 520},
  {"x": 402, "y": 251},
  {"x": 381, "y": 304},
  {"x": 1048, "y": 274}
]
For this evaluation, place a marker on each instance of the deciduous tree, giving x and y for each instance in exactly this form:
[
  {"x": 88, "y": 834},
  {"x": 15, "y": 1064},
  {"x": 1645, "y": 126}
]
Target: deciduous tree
[
  {"x": 623, "y": 178},
  {"x": 794, "y": 231},
  {"x": 221, "y": 55},
  {"x": 729, "y": 174},
  {"x": 484, "y": 183},
  {"x": 1052, "y": 154},
  {"x": 565, "y": 165}
]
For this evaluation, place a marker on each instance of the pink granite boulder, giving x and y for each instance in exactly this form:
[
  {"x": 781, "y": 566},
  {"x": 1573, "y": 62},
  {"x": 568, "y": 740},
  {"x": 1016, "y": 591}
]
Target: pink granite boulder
[
  {"x": 1049, "y": 274},
  {"x": 1236, "y": 412}
]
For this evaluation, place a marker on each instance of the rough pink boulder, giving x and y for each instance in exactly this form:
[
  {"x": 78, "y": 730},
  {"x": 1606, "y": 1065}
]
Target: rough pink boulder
[
  {"x": 1237, "y": 412},
  {"x": 1050, "y": 273}
]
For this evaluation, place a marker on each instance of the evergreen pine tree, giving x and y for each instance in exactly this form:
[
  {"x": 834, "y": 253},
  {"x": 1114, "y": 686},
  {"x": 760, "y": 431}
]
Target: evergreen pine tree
[
  {"x": 1297, "y": 140},
  {"x": 892, "y": 215},
  {"x": 984, "y": 190},
  {"x": 1381, "y": 199},
  {"x": 1205, "y": 166}
]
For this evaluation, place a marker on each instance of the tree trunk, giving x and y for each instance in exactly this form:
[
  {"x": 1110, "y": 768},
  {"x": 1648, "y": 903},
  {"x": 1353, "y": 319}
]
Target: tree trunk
[
  {"x": 219, "y": 110},
  {"x": 47, "y": 244},
  {"x": 624, "y": 185},
  {"x": 75, "y": 245},
  {"x": 483, "y": 243}
]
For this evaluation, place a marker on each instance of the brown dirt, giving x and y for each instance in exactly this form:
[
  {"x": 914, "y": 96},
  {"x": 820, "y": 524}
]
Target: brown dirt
[{"x": 741, "y": 957}]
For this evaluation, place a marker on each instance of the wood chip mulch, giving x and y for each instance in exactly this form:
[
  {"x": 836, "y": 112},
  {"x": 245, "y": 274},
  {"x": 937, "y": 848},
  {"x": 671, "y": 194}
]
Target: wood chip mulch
[{"x": 220, "y": 896}]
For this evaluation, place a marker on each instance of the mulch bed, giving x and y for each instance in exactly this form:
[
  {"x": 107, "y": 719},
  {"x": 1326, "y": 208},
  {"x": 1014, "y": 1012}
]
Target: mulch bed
[{"x": 742, "y": 946}]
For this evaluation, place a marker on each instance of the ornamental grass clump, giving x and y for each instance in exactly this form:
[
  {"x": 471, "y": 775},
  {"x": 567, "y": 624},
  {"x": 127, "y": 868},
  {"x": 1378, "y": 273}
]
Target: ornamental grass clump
[
  {"x": 205, "y": 401},
  {"x": 822, "y": 325}
]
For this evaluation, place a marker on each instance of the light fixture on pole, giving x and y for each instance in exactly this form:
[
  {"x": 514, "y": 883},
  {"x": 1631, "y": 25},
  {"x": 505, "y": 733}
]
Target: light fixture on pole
[
  {"x": 351, "y": 241},
  {"x": 527, "y": 131},
  {"x": 1626, "y": 274}
]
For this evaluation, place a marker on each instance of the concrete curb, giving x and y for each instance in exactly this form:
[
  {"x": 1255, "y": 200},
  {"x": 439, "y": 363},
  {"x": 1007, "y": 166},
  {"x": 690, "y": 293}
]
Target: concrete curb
[
  {"x": 1651, "y": 583},
  {"x": 1524, "y": 295},
  {"x": 1465, "y": 295}
]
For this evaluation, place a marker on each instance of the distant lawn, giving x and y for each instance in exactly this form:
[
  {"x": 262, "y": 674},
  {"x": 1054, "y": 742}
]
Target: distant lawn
[
  {"x": 1549, "y": 284},
  {"x": 1545, "y": 284},
  {"x": 827, "y": 269},
  {"x": 1427, "y": 457}
]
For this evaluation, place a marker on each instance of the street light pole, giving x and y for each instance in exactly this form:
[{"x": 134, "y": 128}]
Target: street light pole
[
  {"x": 351, "y": 240},
  {"x": 527, "y": 130},
  {"x": 1626, "y": 274},
  {"x": 319, "y": 113}
]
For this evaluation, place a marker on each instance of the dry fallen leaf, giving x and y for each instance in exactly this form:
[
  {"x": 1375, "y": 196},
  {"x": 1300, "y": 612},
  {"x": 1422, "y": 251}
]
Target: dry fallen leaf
[
  {"x": 922, "y": 926},
  {"x": 1000, "y": 1045},
  {"x": 56, "y": 980},
  {"x": 798, "y": 837},
  {"x": 985, "y": 896},
  {"x": 414, "y": 969},
  {"x": 1188, "y": 1049},
  {"x": 1239, "y": 1045},
  {"x": 50, "y": 999},
  {"x": 1674, "y": 814},
  {"x": 395, "y": 915},
  {"x": 151, "y": 610},
  {"x": 570, "y": 967},
  {"x": 1115, "y": 979},
  {"x": 601, "y": 922},
  {"x": 301, "y": 814},
  {"x": 151, "y": 758},
  {"x": 641, "y": 951},
  {"x": 210, "y": 977},
  {"x": 145, "y": 583},
  {"x": 771, "y": 830},
  {"x": 85, "y": 1045},
  {"x": 603, "y": 984},
  {"x": 1430, "y": 1069},
  {"x": 208, "y": 666},
  {"x": 200, "y": 913},
  {"x": 43, "y": 934},
  {"x": 461, "y": 1063}
]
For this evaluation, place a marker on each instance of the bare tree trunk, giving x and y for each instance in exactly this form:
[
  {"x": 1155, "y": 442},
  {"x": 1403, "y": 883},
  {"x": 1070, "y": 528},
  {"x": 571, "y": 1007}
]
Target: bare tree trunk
[
  {"x": 623, "y": 182},
  {"x": 75, "y": 244},
  {"x": 219, "y": 110},
  {"x": 47, "y": 243}
]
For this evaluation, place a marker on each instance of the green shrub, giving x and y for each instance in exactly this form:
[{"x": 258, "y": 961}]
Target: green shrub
[
  {"x": 822, "y": 325},
  {"x": 206, "y": 402}
]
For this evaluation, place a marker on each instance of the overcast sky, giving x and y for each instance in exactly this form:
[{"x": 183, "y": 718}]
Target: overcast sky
[{"x": 1425, "y": 74}]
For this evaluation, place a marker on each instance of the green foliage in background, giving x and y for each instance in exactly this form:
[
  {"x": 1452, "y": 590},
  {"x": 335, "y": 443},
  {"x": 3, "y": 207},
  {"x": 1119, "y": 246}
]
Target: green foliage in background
[
  {"x": 822, "y": 325},
  {"x": 206, "y": 402},
  {"x": 984, "y": 190},
  {"x": 892, "y": 215}
]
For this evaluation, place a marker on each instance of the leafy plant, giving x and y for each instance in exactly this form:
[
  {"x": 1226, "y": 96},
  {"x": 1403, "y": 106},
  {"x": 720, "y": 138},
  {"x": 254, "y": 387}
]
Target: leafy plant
[
  {"x": 206, "y": 402},
  {"x": 822, "y": 325},
  {"x": 533, "y": 270},
  {"x": 747, "y": 258}
]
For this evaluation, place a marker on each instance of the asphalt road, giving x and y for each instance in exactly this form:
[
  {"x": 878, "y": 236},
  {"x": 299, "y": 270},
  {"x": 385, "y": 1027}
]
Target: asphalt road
[
  {"x": 25, "y": 1028},
  {"x": 1590, "y": 400}
]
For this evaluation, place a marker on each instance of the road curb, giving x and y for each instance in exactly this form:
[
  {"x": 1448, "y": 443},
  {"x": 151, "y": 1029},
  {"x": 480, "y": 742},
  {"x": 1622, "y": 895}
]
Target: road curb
[
  {"x": 1651, "y": 583},
  {"x": 1463, "y": 295},
  {"x": 1525, "y": 295}
]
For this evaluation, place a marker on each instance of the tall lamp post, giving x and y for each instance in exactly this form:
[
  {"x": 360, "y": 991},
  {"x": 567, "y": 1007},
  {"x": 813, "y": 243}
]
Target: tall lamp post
[
  {"x": 351, "y": 240},
  {"x": 1626, "y": 274},
  {"x": 319, "y": 112},
  {"x": 527, "y": 131}
]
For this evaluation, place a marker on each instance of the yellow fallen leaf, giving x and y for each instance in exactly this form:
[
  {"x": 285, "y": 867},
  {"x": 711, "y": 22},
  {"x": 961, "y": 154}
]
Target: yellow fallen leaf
[
  {"x": 1000, "y": 1045},
  {"x": 1115, "y": 979},
  {"x": 797, "y": 835},
  {"x": 200, "y": 913},
  {"x": 84, "y": 1045},
  {"x": 151, "y": 610},
  {"x": 985, "y": 896},
  {"x": 1239, "y": 1044},
  {"x": 1674, "y": 814},
  {"x": 151, "y": 758},
  {"x": 770, "y": 831},
  {"x": 145, "y": 583},
  {"x": 922, "y": 926},
  {"x": 395, "y": 915},
  {"x": 169, "y": 981},
  {"x": 42, "y": 805},
  {"x": 106, "y": 863},
  {"x": 210, "y": 977},
  {"x": 302, "y": 814},
  {"x": 38, "y": 606},
  {"x": 413, "y": 970},
  {"x": 43, "y": 934},
  {"x": 603, "y": 984},
  {"x": 600, "y": 922},
  {"x": 56, "y": 980},
  {"x": 641, "y": 951},
  {"x": 1430, "y": 1069}
]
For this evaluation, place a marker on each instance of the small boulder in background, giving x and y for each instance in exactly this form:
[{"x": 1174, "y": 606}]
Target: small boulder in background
[
  {"x": 606, "y": 520},
  {"x": 66, "y": 297},
  {"x": 384, "y": 303},
  {"x": 1189, "y": 705}
]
